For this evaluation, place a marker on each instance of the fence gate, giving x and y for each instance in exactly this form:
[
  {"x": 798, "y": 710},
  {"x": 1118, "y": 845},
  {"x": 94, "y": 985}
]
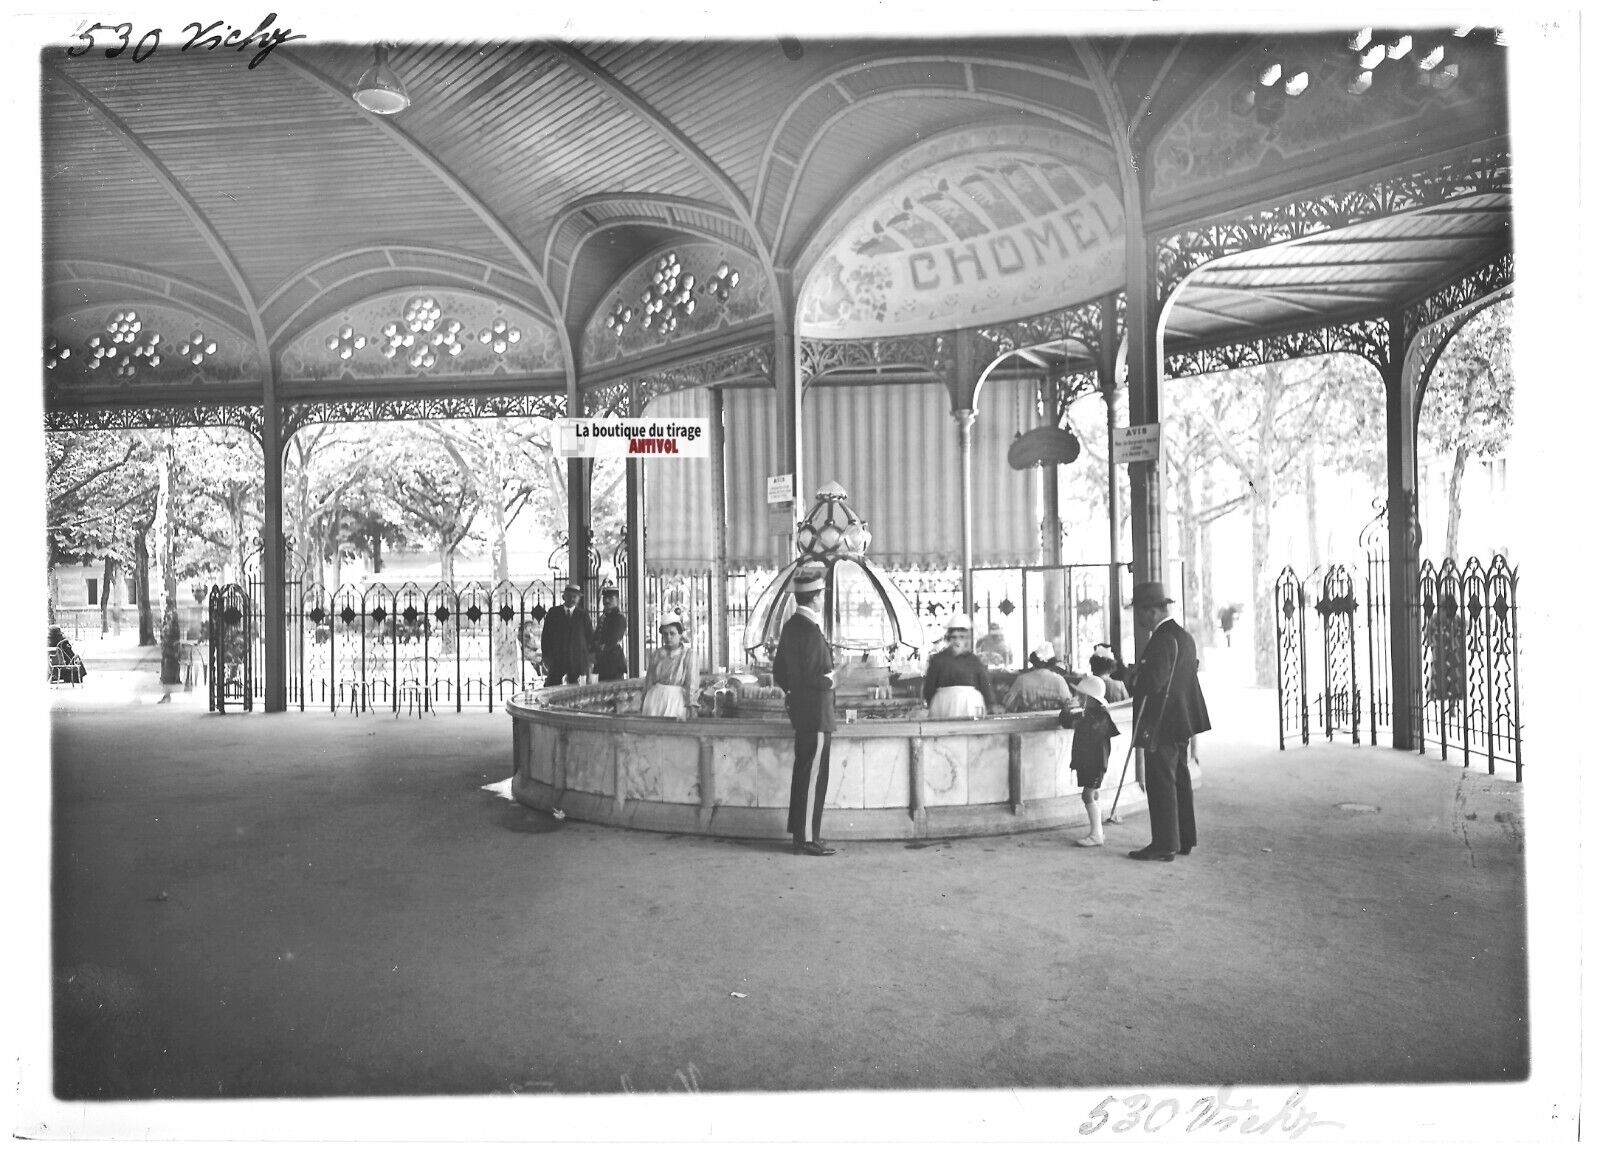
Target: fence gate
[
  {"x": 229, "y": 658},
  {"x": 1468, "y": 702}
]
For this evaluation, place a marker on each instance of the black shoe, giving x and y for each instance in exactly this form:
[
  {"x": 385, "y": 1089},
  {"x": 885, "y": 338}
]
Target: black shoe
[
  {"x": 818, "y": 848},
  {"x": 1185, "y": 851},
  {"x": 1151, "y": 854}
]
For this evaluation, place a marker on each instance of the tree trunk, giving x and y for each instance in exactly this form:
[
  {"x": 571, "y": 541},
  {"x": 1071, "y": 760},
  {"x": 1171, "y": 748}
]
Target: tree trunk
[
  {"x": 1452, "y": 524},
  {"x": 1208, "y": 608},
  {"x": 108, "y": 576},
  {"x": 1188, "y": 546},
  {"x": 1313, "y": 536},
  {"x": 1261, "y": 582},
  {"x": 141, "y": 585}
]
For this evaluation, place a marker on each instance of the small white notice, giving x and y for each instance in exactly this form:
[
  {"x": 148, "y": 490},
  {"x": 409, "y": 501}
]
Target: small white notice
[
  {"x": 1136, "y": 443},
  {"x": 780, "y": 488}
]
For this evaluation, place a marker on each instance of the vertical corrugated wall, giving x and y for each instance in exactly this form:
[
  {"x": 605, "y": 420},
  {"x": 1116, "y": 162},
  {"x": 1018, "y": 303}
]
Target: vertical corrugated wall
[
  {"x": 893, "y": 447},
  {"x": 677, "y": 494}
]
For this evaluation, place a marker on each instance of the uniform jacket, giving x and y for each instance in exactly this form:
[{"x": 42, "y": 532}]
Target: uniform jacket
[
  {"x": 801, "y": 668},
  {"x": 610, "y": 660},
  {"x": 565, "y": 641},
  {"x": 1169, "y": 716}
]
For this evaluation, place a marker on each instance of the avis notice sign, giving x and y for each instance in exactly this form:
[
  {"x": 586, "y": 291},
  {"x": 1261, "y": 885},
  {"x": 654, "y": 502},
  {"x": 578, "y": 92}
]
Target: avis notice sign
[{"x": 1136, "y": 443}]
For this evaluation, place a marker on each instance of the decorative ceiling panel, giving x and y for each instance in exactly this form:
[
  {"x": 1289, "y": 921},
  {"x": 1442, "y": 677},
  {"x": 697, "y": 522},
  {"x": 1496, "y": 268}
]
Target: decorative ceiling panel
[
  {"x": 140, "y": 343},
  {"x": 419, "y": 334},
  {"x": 687, "y": 292},
  {"x": 1224, "y": 135}
]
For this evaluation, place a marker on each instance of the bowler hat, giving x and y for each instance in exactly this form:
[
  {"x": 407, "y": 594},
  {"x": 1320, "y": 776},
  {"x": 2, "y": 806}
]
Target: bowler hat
[
  {"x": 808, "y": 581},
  {"x": 1150, "y": 595}
]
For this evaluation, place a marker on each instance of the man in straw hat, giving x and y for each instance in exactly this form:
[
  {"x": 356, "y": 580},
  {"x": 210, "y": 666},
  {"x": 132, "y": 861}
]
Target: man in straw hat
[
  {"x": 565, "y": 640},
  {"x": 1168, "y": 710},
  {"x": 803, "y": 667}
]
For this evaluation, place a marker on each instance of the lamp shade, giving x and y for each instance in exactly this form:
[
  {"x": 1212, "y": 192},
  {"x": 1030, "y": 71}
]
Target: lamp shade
[{"x": 379, "y": 90}]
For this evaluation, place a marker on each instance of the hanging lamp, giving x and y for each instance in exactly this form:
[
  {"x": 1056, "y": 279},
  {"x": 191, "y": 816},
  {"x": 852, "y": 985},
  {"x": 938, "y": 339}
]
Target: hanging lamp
[{"x": 379, "y": 90}]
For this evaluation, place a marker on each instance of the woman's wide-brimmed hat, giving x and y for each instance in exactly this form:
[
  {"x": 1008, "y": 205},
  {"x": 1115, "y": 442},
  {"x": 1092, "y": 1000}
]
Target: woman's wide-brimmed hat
[
  {"x": 1093, "y": 686},
  {"x": 669, "y": 620},
  {"x": 810, "y": 580},
  {"x": 1150, "y": 595},
  {"x": 1044, "y": 652}
]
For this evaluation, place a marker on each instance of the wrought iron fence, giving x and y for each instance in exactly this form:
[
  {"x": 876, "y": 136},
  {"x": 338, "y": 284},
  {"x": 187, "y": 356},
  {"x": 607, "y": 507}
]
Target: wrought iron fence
[{"x": 1468, "y": 701}]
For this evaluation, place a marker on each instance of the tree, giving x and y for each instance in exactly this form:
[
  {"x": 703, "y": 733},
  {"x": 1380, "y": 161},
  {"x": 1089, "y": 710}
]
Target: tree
[
  {"x": 100, "y": 487},
  {"x": 1467, "y": 411}
]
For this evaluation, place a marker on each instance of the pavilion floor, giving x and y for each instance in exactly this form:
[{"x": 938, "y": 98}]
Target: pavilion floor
[{"x": 308, "y": 905}]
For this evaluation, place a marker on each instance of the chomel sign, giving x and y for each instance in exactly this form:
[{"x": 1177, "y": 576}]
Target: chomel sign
[{"x": 632, "y": 438}]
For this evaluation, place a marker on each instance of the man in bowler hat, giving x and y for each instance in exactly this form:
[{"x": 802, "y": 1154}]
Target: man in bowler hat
[
  {"x": 1168, "y": 710},
  {"x": 803, "y": 667},
  {"x": 565, "y": 640}
]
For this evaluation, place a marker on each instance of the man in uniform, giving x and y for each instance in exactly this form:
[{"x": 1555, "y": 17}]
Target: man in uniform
[
  {"x": 610, "y": 660},
  {"x": 803, "y": 667},
  {"x": 1168, "y": 710},
  {"x": 565, "y": 640}
]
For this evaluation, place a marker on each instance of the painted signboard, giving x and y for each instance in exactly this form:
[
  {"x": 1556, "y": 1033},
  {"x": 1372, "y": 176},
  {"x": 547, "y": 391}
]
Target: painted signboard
[{"x": 978, "y": 238}]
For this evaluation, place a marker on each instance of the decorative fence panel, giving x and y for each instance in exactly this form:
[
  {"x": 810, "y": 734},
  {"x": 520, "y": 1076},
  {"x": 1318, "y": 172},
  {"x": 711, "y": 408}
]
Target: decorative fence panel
[{"x": 1467, "y": 703}]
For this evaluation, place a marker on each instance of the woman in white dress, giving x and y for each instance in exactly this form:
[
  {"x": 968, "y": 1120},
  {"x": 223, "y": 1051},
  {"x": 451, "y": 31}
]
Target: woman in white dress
[{"x": 672, "y": 678}]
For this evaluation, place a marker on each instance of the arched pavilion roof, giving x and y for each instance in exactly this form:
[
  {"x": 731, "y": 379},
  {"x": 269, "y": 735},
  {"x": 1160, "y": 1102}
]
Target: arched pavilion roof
[{"x": 528, "y": 181}]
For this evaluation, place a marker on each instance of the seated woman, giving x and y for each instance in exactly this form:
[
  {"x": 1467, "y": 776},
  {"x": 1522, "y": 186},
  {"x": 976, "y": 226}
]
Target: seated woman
[
  {"x": 672, "y": 679},
  {"x": 1104, "y": 666},
  {"x": 65, "y": 666},
  {"x": 957, "y": 683},
  {"x": 1039, "y": 688}
]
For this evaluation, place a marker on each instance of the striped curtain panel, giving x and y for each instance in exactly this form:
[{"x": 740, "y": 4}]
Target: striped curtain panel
[
  {"x": 893, "y": 448},
  {"x": 752, "y": 455},
  {"x": 677, "y": 494}
]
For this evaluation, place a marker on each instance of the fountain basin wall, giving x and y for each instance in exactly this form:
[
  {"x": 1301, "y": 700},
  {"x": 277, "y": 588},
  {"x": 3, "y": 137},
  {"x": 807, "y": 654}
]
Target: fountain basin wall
[{"x": 586, "y": 751}]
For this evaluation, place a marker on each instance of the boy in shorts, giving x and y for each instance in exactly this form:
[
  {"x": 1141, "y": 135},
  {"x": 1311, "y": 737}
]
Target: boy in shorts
[{"x": 1092, "y": 729}]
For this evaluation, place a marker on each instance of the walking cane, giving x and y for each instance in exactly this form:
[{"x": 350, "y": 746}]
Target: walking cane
[{"x": 1133, "y": 739}]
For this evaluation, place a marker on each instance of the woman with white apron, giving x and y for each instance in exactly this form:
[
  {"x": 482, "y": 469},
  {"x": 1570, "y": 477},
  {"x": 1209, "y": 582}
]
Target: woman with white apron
[
  {"x": 957, "y": 683},
  {"x": 672, "y": 679}
]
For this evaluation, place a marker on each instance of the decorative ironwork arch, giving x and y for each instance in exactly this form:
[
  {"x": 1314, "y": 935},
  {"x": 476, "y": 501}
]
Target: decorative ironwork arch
[
  {"x": 932, "y": 352},
  {"x": 1178, "y": 254},
  {"x": 298, "y": 416},
  {"x": 1368, "y": 339},
  {"x": 751, "y": 362},
  {"x": 248, "y": 416}
]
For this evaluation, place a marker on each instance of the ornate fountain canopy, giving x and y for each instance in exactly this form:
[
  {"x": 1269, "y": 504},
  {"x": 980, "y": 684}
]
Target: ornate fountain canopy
[
  {"x": 863, "y": 611},
  {"x": 831, "y": 529}
]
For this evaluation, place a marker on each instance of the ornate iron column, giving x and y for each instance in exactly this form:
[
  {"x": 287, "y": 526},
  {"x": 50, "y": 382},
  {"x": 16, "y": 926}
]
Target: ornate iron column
[
  {"x": 717, "y": 651},
  {"x": 634, "y": 545},
  {"x": 274, "y": 641},
  {"x": 788, "y": 381},
  {"x": 964, "y": 419},
  {"x": 1106, "y": 370},
  {"x": 1405, "y": 538},
  {"x": 579, "y": 471}
]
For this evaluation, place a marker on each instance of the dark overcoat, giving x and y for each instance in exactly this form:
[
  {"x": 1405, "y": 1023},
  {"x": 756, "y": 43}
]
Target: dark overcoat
[
  {"x": 1169, "y": 715},
  {"x": 565, "y": 641},
  {"x": 801, "y": 668}
]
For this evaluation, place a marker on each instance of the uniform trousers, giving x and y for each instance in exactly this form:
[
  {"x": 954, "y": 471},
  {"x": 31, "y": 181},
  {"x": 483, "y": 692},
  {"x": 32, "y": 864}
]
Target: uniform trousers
[
  {"x": 1171, "y": 796},
  {"x": 802, "y": 784}
]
